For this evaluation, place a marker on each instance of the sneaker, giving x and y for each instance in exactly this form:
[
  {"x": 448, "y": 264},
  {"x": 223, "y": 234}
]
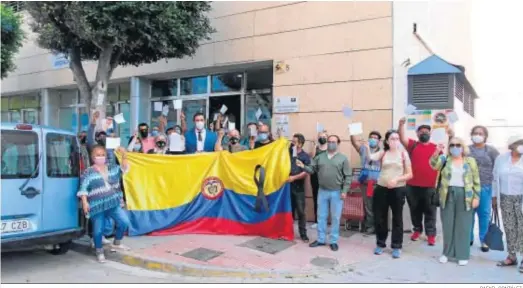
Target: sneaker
[
  {"x": 106, "y": 241},
  {"x": 415, "y": 236},
  {"x": 120, "y": 247},
  {"x": 101, "y": 258},
  {"x": 484, "y": 248},
  {"x": 378, "y": 251},
  {"x": 314, "y": 226},
  {"x": 432, "y": 240},
  {"x": 396, "y": 253},
  {"x": 443, "y": 259},
  {"x": 463, "y": 262}
]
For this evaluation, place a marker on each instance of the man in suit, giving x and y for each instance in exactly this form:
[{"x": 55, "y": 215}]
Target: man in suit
[{"x": 199, "y": 139}]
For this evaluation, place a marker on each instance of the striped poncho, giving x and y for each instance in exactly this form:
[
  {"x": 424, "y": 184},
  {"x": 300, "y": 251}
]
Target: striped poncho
[{"x": 101, "y": 196}]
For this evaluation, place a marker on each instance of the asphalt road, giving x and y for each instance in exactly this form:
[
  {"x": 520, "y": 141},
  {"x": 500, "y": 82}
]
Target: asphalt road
[{"x": 42, "y": 267}]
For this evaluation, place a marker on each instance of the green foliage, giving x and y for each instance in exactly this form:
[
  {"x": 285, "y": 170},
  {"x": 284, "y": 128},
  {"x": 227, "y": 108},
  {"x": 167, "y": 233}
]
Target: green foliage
[
  {"x": 138, "y": 32},
  {"x": 12, "y": 38}
]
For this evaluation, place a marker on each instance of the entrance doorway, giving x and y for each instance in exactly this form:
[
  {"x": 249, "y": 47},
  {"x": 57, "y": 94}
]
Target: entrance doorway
[{"x": 234, "y": 108}]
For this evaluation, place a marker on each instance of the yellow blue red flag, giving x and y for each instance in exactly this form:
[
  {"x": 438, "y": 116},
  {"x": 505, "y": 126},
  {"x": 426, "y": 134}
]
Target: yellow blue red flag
[{"x": 211, "y": 193}]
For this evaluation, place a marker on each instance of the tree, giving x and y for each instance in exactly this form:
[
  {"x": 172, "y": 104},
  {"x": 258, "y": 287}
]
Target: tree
[
  {"x": 12, "y": 38},
  {"x": 117, "y": 33}
]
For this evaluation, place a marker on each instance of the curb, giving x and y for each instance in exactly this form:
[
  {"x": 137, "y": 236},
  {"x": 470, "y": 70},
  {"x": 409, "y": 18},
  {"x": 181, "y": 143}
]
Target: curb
[{"x": 149, "y": 263}]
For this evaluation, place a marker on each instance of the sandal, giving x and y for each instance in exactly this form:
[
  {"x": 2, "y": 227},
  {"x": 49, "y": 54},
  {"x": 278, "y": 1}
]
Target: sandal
[{"x": 508, "y": 262}]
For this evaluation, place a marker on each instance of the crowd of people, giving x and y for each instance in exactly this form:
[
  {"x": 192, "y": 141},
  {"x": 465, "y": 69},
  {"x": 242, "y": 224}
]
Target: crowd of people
[{"x": 463, "y": 180}]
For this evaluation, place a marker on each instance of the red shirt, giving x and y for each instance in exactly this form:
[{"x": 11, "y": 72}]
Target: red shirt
[{"x": 423, "y": 174}]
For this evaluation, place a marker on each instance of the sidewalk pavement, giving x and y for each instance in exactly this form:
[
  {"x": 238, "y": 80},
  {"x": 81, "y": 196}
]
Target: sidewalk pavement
[{"x": 253, "y": 259}]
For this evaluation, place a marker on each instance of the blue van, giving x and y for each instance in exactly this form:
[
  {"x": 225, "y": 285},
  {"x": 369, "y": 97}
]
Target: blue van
[{"x": 40, "y": 177}]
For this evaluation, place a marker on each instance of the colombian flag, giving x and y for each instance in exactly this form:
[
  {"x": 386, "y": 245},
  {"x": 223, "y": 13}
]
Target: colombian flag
[{"x": 211, "y": 193}]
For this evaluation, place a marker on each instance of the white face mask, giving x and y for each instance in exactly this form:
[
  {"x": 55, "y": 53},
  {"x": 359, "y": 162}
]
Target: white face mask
[
  {"x": 520, "y": 149},
  {"x": 478, "y": 139},
  {"x": 199, "y": 125}
]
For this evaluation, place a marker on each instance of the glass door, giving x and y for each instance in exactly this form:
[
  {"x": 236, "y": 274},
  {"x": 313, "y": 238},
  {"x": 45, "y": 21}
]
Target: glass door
[
  {"x": 124, "y": 129},
  {"x": 30, "y": 116}
]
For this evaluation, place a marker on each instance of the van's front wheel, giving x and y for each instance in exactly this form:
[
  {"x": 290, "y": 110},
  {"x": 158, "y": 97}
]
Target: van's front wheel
[{"x": 62, "y": 248}]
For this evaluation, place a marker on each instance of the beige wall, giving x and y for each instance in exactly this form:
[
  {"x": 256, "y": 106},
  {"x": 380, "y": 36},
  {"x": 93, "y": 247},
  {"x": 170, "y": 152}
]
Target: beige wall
[{"x": 339, "y": 53}]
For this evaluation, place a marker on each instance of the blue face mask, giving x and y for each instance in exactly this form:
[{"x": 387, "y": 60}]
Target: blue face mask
[
  {"x": 263, "y": 136},
  {"x": 456, "y": 151},
  {"x": 373, "y": 143},
  {"x": 137, "y": 147},
  {"x": 154, "y": 133}
]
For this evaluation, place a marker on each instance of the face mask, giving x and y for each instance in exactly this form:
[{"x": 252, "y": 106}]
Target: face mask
[
  {"x": 160, "y": 144},
  {"x": 477, "y": 139},
  {"x": 373, "y": 143},
  {"x": 332, "y": 147},
  {"x": 144, "y": 133},
  {"x": 233, "y": 140},
  {"x": 199, "y": 125},
  {"x": 154, "y": 133},
  {"x": 138, "y": 147},
  {"x": 99, "y": 160},
  {"x": 455, "y": 151},
  {"x": 322, "y": 140},
  {"x": 394, "y": 144},
  {"x": 83, "y": 140},
  {"x": 263, "y": 137},
  {"x": 520, "y": 149},
  {"x": 424, "y": 138}
]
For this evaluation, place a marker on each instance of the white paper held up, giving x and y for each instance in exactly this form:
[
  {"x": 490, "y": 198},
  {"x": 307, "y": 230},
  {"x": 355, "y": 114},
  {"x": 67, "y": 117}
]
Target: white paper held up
[
  {"x": 232, "y": 126},
  {"x": 439, "y": 135},
  {"x": 223, "y": 109},
  {"x": 356, "y": 128},
  {"x": 165, "y": 110},
  {"x": 253, "y": 132},
  {"x": 177, "y": 104},
  {"x": 347, "y": 112},
  {"x": 158, "y": 106},
  {"x": 319, "y": 127},
  {"x": 175, "y": 143},
  {"x": 294, "y": 152},
  {"x": 119, "y": 119},
  {"x": 112, "y": 142},
  {"x": 258, "y": 114},
  {"x": 410, "y": 109},
  {"x": 453, "y": 117}
]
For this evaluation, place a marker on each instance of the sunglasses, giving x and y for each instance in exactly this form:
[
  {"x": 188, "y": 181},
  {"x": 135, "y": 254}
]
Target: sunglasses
[{"x": 455, "y": 145}]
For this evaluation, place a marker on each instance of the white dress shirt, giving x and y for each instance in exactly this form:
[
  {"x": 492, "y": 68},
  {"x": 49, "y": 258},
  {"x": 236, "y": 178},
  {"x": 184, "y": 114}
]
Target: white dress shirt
[
  {"x": 508, "y": 176},
  {"x": 200, "y": 144}
]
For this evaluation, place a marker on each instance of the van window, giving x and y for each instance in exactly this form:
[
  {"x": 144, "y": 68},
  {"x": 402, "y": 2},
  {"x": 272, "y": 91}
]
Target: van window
[
  {"x": 63, "y": 157},
  {"x": 19, "y": 154}
]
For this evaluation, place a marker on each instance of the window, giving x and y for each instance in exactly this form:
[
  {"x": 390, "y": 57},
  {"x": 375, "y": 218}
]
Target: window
[
  {"x": 67, "y": 119},
  {"x": 16, "y": 102},
  {"x": 5, "y": 103},
  {"x": 226, "y": 82},
  {"x": 68, "y": 98},
  {"x": 63, "y": 158},
  {"x": 124, "y": 91},
  {"x": 155, "y": 114},
  {"x": 112, "y": 93},
  {"x": 19, "y": 154},
  {"x": 164, "y": 88},
  {"x": 196, "y": 85}
]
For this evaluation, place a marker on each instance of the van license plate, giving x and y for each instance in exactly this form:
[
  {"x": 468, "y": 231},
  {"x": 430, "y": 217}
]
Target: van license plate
[{"x": 15, "y": 226}]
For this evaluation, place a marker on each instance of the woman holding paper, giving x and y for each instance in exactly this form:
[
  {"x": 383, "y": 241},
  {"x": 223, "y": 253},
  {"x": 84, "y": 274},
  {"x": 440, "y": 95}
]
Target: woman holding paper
[
  {"x": 160, "y": 145},
  {"x": 390, "y": 191},
  {"x": 459, "y": 193}
]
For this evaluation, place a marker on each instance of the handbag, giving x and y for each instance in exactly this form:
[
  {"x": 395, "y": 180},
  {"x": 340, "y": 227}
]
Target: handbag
[
  {"x": 494, "y": 237},
  {"x": 434, "y": 200}
]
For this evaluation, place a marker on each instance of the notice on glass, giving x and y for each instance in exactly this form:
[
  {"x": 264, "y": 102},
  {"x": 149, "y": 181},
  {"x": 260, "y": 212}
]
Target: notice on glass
[
  {"x": 223, "y": 109},
  {"x": 258, "y": 114},
  {"x": 177, "y": 104},
  {"x": 165, "y": 110},
  {"x": 356, "y": 129},
  {"x": 158, "y": 106},
  {"x": 112, "y": 142}
]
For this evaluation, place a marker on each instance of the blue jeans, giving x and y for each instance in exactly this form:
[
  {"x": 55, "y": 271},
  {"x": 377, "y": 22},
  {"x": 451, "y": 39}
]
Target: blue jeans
[
  {"x": 326, "y": 200},
  {"x": 484, "y": 209},
  {"x": 121, "y": 221}
]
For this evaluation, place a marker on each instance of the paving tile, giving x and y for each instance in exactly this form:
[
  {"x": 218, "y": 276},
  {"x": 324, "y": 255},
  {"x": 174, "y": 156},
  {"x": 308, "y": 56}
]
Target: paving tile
[
  {"x": 270, "y": 246},
  {"x": 202, "y": 254}
]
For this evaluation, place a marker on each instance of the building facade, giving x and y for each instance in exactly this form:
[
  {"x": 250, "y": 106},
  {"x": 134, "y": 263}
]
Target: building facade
[{"x": 298, "y": 63}]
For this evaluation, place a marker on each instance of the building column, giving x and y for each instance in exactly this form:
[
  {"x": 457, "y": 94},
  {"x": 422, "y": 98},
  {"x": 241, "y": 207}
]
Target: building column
[
  {"x": 49, "y": 107},
  {"x": 140, "y": 104}
]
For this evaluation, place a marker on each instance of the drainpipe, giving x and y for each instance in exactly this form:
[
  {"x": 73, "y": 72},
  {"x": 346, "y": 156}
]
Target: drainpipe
[{"x": 420, "y": 39}]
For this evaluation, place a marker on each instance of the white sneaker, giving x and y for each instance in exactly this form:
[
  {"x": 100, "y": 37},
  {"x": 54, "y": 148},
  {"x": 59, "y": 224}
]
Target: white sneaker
[
  {"x": 100, "y": 258},
  {"x": 314, "y": 226},
  {"x": 443, "y": 259},
  {"x": 463, "y": 262},
  {"x": 104, "y": 242},
  {"x": 120, "y": 247}
]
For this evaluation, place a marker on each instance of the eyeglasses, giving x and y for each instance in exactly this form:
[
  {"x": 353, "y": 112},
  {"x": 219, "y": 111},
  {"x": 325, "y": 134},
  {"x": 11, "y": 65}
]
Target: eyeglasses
[{"x": 457, "y": 145}]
